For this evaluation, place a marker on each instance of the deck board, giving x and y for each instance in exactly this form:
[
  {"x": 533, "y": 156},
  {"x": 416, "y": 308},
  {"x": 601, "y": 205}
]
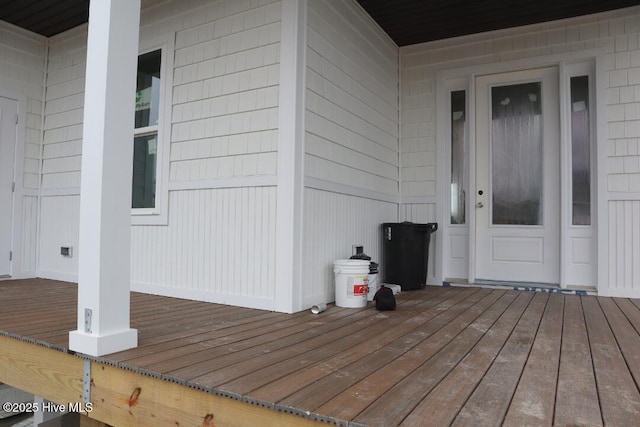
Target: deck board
[
  {"x": 446, "y": 356},
  {"x": 577, "y": 395},
  {"x": 489, "y": 402},
  {"x": 534, "y": 398},
  {"x": 293, "y": 382},
  {"x": 618, "y": 395}
]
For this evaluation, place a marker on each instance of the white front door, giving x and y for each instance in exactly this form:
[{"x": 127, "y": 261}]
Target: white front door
[
  {"x": 8, "y": 114},
  {"x": 518, "y": 177}
]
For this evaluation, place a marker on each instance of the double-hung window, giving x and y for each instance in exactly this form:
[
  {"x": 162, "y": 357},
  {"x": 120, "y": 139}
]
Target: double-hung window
[{"x": 145, "y": 140}]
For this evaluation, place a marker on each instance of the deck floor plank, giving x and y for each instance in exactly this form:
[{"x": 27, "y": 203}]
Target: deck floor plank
[
  {"x": 353, "y": 384},
  {"x": 394, "y": 404},
  {"x": 295, "y": 381},
  {"x": 340, "y": 335},
  {"x": 490, "y": 401},
  {"x": 446, "y": 356},
  {"x": 618, "y": 394},
  {"x": 201, "y": 364},
  {"x": 320, "y": 362},
  {"x": 577, "y": 397},
  {"x": 446, "y": 399},
  {"x": 534, "y": 398}
]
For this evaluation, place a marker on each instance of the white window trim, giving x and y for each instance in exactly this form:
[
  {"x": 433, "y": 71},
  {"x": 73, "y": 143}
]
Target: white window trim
[{"x": 158, "y": 215}]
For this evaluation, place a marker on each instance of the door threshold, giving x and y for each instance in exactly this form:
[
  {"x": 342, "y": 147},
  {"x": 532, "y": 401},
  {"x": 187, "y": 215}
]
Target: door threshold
[{"x": 523, "y": 286}]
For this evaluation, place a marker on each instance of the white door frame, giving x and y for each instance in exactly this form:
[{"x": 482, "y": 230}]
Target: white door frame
[
  {"x": 19, "y": 191},
  {"x": 464, "y": 78},
  {"x": 539, "y": 244}
]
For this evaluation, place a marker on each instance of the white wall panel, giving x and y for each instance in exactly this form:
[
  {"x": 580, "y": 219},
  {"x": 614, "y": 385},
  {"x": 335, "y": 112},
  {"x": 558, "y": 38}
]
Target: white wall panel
[
  {"x": 624, "y": 249},
  {"x": 225, "y": 96},
  {"x": 616, "y": 32},
  {"x": 22, "y": 61},
  {"x": 64, "y": 107},
  {"x": 59, "y": 219},
  {"x": 332, "y": 224},
  {"x": 29, "y": 235},
  {"x": 351, "y": 100},
  {"x": 219, "y": 246}
]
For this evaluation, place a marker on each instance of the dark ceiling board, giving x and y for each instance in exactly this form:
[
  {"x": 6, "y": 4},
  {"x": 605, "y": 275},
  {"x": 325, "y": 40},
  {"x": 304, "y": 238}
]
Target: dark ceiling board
[
  {"x": 63, "y": 10},
  {"x": 406, "y": 21},
  {"x": 415, "y": 21}
]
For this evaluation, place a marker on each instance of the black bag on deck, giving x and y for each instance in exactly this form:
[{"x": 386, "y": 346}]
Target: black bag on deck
[{"x": 384, "y": 298}]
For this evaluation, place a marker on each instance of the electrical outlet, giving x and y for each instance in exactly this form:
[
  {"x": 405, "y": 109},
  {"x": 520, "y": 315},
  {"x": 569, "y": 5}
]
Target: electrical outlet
[{"x": 66, "y": 251}]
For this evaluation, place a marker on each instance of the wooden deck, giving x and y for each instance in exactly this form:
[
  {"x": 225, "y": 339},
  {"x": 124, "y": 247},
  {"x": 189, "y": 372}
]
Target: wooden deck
[{"x": 446, "y": 356}]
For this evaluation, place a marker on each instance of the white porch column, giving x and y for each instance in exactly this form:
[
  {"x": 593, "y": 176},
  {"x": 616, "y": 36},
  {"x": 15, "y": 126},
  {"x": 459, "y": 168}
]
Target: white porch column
[
  {"x": 107, "y": 162},
  {"x": 291, "y": 150}
]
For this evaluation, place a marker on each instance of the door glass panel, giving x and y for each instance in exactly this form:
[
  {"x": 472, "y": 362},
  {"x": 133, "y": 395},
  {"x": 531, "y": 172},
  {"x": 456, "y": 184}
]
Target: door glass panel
[
  {"x": 458, "y": 178},
  {"x": 580, "y": 151},
  {"x": 516, "y": 154}
]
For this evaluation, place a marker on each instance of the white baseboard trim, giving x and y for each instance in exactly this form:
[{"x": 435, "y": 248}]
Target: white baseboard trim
[
  {"x": 619, "y": 293},
  {"x": 235, "y": 300},
  {"x": 57, "y": 275}
]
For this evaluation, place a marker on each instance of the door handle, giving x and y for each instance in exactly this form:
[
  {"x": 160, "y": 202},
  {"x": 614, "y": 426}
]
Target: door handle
[{"x": 479, "y": 205}]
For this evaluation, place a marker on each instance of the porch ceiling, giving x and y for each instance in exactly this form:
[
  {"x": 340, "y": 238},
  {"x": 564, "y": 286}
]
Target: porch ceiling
[{"x": 406, "y": 21}]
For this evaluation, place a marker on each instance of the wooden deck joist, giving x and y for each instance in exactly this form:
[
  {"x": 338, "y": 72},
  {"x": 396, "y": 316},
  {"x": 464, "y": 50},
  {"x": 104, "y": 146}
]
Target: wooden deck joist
[{"x": 121, "y": 397}]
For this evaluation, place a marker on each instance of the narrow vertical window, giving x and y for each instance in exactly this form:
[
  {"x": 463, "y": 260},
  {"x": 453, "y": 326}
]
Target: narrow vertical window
[
  {"x": 458, "y": 178},
  {"x": 580, "y": 151},
  {"x": 145, "y": 141}
]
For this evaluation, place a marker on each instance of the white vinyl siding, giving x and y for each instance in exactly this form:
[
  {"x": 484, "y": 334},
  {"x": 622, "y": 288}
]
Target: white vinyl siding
[
  {"x": 351, "y": 141},
  {"x": 351, "y": 100},
  {"x": 217, "y": 242},
  {"x": 22, "y": 59},
  {"x": 615, "y": 34}
]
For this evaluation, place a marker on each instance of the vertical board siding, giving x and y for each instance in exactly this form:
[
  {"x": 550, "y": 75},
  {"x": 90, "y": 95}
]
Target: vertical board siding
[
  {"x": 22, "y": 59},
  {"x": 29, "y": 234},
  {"x": 351, "y": 99},
  {"x": 616, "y": 32},
  {"x": 219, "y": 246},
  {"x": 332, "y": 224},
  {"x": 624, "y": 245},
  {"x": 59, "y": 219}
]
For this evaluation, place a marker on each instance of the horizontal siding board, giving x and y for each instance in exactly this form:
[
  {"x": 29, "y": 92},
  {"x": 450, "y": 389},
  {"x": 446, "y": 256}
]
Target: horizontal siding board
[
  {"x": 22, "y": 67},
  {"x": 351, "y": 119}
]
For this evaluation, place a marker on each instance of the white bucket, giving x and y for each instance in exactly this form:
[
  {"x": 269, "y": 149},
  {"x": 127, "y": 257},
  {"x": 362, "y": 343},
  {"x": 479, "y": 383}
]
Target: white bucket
[{"x": 352, "y": 282}]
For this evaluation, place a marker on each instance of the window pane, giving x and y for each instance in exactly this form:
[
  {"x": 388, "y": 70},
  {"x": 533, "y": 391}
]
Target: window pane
[
  {"x": 458, "y": 178},
  {"x": 148, "y": 89},
  {"x": 516, "y": 146},
  {"x": 580, "y": 151},
  {"x": 144, "y": 171}
]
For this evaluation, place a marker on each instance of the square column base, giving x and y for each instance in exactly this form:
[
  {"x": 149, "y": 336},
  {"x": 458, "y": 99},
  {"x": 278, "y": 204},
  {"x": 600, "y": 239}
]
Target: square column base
[{"x": 99, "y": 345}]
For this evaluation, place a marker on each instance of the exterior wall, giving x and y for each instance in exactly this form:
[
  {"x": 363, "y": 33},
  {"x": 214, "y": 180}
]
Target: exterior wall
[
  {"x": 219, "y": 246},
  {"x": 220, "y": 153},
  {"x": 22, "y": 63},
  {"x": 351, "y": 145},
  {"x": 617, "y": 34}
]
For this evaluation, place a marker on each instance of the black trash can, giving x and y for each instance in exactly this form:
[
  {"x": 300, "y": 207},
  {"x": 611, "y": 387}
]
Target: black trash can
[{"x": 405, "y": 253}]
